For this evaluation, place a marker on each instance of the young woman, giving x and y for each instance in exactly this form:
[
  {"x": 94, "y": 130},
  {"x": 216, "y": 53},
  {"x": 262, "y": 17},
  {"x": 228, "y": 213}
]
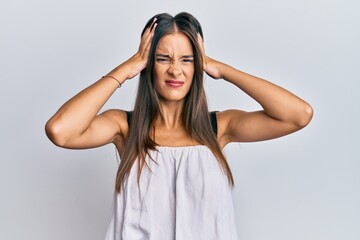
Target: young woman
[{"x": 184, "y": 190}]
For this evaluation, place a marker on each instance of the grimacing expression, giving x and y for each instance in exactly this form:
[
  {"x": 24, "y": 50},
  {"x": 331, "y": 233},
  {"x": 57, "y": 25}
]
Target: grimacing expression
[{"x": 173, "y": 67}]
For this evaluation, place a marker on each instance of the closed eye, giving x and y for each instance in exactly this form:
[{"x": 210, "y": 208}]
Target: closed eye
[
  {"x": 162, "y": 59},
  {"x": 188, "y": 60}
]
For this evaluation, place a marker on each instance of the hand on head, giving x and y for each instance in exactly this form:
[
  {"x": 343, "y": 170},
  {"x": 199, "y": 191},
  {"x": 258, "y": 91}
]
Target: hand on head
[
  {"x": 211, "y": 66},
  {"x": 140, "y": 59}
]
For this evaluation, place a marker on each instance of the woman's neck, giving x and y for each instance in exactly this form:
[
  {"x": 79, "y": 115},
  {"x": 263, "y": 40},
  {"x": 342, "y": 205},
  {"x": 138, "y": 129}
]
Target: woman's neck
[{"x": 171, "y": 116}]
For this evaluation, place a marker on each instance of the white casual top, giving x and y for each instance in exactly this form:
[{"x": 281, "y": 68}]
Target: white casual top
[{"x": 187, "y": 196}]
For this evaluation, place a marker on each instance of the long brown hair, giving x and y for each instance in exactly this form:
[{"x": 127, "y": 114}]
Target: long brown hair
[{"x": 195, "y": 113}]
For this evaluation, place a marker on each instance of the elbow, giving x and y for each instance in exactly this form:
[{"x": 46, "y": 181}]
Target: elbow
[
  {"x": 304, "y": 116},
  {"x": 54, "y": 133}
]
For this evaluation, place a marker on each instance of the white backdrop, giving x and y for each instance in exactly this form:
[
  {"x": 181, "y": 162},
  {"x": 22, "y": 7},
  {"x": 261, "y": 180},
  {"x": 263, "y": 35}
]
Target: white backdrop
[{"x": 302, "y": 186}]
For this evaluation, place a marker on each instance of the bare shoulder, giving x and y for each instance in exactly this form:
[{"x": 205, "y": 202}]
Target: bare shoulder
[
  {"x": 118, "y": 117},
  {"x": 228, "y": 114},
  {"x": 224, "y": 119}
]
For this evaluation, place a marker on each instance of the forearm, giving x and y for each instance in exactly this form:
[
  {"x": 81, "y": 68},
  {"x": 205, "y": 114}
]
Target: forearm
[
  {"x": 276, "y": 101},
  {"x": 77, "y": 125}
]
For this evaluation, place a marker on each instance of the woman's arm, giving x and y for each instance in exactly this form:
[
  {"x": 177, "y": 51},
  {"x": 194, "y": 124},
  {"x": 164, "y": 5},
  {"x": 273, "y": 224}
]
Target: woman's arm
[
  {"x": 282, "y": 114},
  {"x": 77, "y": 125}
]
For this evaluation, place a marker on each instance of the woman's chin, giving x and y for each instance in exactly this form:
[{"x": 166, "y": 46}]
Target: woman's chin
[{"x": 172, "y": 98}]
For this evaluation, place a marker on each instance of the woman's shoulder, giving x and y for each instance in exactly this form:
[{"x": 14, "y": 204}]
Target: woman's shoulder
[
  {"x": 223, "y": 120},
  {"x": 120, "y": 117},
  {"x": 115, "y": 113}
]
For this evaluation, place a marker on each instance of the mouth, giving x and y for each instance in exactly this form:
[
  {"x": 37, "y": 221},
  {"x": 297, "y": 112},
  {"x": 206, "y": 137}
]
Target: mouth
[{"x": 174, "y": 83}]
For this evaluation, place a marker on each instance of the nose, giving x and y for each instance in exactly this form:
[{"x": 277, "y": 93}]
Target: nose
[{"x": 175, "y": 69}]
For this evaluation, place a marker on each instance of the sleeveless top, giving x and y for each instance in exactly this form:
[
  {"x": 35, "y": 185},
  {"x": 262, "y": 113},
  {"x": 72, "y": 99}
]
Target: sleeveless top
[{"x": 185, "y": 196}]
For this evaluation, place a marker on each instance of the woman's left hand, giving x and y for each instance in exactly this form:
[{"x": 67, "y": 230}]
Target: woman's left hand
[{"x": 212, "y": 67}]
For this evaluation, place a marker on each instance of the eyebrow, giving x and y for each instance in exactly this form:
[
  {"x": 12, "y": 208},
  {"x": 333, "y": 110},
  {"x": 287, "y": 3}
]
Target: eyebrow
[{"x": 167, "y": 56}]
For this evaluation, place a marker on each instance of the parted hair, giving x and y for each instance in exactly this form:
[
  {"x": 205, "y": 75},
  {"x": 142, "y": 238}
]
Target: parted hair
[{"x": 195, "y": 115}]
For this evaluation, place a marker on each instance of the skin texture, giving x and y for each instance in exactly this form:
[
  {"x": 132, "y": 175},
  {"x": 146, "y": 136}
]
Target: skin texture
[
  {"x": 78, "y": 125},
  {"x": 173, "y": 61}
]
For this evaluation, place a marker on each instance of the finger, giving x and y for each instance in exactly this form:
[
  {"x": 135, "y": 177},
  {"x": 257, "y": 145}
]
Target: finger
[
  {"x": 150, "y": 28},
  {"x": 148, "y": 34},
  {"x": 199, "y": 38},
  {"x": 153, "y": 24},
  {"x": 201, "y": 43},
  {"x": 146, "y": 44},
  {"x": 148, "y": 39}
]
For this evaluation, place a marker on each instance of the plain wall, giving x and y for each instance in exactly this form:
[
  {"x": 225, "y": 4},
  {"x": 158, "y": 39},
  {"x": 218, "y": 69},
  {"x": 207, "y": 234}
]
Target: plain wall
[{"x": 302, "y": 186}]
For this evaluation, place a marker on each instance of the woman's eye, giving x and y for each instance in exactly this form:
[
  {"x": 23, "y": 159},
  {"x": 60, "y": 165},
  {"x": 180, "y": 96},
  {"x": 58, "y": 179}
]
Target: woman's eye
[
  {"x": 188, "y": 60},
  {"x": 162, "y": 59}
]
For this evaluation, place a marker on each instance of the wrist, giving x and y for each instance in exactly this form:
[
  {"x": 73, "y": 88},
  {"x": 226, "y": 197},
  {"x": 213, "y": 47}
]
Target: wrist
[
  {"x": 114, "y": 78},
  {"x": 132, "y": 67},
  {"x": 225, "y": 70}
]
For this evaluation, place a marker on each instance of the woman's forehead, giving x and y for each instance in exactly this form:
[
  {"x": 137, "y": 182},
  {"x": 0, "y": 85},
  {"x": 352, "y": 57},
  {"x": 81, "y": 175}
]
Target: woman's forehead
[{"x": 175, "y": 44}]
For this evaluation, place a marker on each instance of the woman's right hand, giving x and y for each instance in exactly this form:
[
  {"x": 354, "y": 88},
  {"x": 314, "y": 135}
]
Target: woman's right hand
[
  {"x": 77, "y": 123},
  {"x": 139, "y": 60}
]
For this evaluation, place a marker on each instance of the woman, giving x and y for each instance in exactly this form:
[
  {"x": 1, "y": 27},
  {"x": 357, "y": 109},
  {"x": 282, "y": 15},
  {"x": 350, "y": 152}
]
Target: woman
[{"x": 184, "y": 191}]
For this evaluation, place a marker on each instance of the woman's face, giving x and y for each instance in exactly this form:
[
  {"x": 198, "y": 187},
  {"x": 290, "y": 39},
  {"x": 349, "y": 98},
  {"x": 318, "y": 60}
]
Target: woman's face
[{"x": 174, "y": 67}]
